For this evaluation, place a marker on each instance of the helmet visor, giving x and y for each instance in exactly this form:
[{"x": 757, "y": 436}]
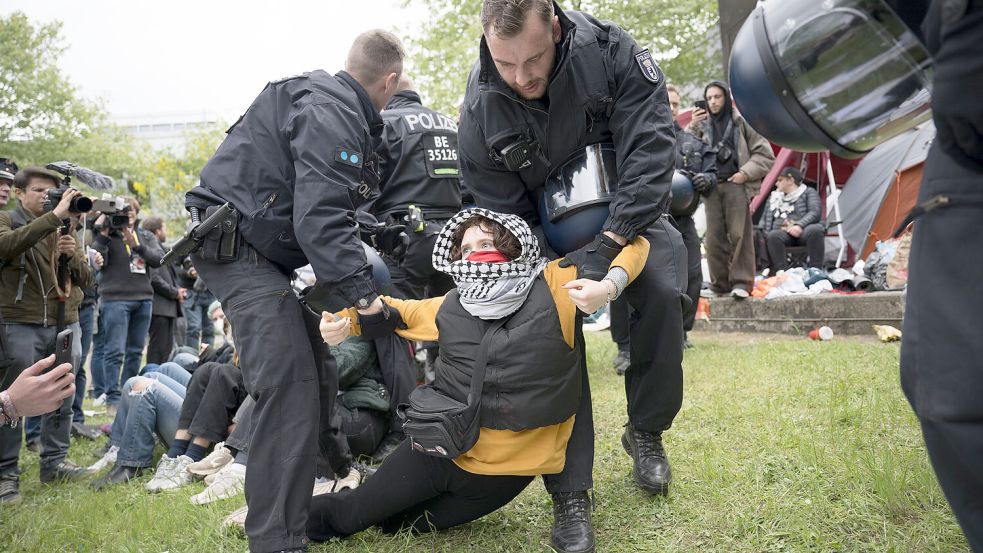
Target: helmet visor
[{"x": 587, "y": 178}]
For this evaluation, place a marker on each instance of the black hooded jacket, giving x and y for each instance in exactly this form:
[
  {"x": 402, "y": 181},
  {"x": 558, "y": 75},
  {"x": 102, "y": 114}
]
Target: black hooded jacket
[
  {"x": 604, "y": 88},
  {"x": 720, "y": 138}
]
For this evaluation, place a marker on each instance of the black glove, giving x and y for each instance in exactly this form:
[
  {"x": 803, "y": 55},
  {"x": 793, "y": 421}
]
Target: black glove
[
  {"x": 392, "y": 241},
  {"x": 704, "y": 182},
  {"x": 594, "y": 259}
]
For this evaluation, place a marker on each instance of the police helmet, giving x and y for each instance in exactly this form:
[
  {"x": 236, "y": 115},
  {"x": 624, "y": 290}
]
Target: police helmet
[
  {"x": 380, "y": 271},
  {"x": 574, "y": 203},
  {"x": 838, "y": 75},
  {"x": 684, "y": 200}
]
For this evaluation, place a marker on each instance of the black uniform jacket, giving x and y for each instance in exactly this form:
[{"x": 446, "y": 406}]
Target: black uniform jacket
[
  {"x": 418, "y": 162},
  {"x": 604, "y": 88},
  {"x": 296, "y": 165}
]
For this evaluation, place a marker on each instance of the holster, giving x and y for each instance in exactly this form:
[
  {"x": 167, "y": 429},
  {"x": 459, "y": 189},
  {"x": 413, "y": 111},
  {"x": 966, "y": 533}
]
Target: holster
[{"x": 228, "y": 235}]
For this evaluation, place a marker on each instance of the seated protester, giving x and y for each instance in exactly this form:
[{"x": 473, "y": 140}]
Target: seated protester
[
  {"x": 532, "y": 387},
  {"x": 223, "y": 470},
  {"x": 363, "y": 403},
  {"x": 793, "y": 218}
]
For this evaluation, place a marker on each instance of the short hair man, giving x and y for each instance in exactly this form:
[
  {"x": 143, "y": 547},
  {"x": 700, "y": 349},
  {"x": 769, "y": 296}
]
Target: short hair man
[
  {"x": 792, "y": 217},
  {"x": 30, "y": 248},
  {"x": 295, "y": 166},
  {"x": 559, "y": 81},
  {"x": 744, "y": 157}
]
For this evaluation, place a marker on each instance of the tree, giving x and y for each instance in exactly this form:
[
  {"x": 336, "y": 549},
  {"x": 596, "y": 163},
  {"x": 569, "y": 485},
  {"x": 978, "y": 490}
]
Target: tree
[
  {"x": 39, "y": 107},
  {"x": 680, "y": 33}
]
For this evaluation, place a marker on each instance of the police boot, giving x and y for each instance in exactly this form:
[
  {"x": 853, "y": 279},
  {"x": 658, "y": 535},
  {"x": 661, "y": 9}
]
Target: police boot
[
  {"x": 652, "y": 472},
  {"x": 572, "y": 530}
]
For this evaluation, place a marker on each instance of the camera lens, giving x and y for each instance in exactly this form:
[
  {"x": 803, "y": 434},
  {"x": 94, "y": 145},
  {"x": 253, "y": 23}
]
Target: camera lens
[{"x": 81, "y": 204}]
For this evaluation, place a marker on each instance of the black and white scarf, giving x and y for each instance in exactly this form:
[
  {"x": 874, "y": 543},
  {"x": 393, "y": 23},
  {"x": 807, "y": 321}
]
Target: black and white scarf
[
  {"x": 782, "y": 205},
  {"x": 491, "y": 290}
]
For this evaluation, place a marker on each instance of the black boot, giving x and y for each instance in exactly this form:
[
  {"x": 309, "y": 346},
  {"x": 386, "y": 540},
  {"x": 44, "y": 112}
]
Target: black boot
[
  {"x": 63, "y": 471},
  {"x": 118, "y": 475},
  {"x": 9, "y": 489},
  {"x": 652, "y": 471},
  {"x": 572, "y": 530}
]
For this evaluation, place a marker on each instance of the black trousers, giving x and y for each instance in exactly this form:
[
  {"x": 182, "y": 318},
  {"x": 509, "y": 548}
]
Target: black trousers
[
  {"x": 161, "y": 340},
  {"x": 654, "y": 381},
  {"x": 415, "y": 491},
  {"x": 363, "y": 428},
  {"x": 813, "y": 238},
  {"x": 215, "y": 392},
  {"x": 694, "y": 268},
  {"x": 940, "y": 346},
  {"x": 289, "y": 372},
  {"x": 414, "y": 277}
]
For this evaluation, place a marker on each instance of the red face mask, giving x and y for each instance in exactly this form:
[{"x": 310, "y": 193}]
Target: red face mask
[{"x": 487, "y": 256}]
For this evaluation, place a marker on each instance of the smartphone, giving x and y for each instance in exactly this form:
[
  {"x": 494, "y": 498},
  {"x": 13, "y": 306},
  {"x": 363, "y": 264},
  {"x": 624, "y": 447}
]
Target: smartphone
[
  {"x": 700, "y": 104},
  {"x": 63, "y": 348}
]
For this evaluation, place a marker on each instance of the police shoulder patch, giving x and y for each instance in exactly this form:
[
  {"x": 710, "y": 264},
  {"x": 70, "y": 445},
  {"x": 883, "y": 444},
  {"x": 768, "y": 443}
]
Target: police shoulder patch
[
  {"x": 649, "y": 69},
  {"x": 348, "y": 156}
]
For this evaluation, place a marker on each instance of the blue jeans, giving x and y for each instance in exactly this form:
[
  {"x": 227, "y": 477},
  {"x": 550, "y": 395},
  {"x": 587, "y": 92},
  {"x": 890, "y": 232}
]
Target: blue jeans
[
  {"x": 97, "y": 366},
  {"x": 171, "y": 370},
  {"x": 196, "y": 316},
  {"x": 86, "y": 318},
  {"x": 127, "y": 324},
  {"x": 153, "y": 410}
]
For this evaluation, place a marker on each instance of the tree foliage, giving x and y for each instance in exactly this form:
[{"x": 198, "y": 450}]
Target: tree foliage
[{"x": 680, "y": 33}]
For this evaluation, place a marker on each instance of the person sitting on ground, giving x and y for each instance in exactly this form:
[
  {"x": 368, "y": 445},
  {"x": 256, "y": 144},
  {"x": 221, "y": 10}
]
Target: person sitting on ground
[
  {"x": 363, "y": 403},
  {"x": 532, "y": 387},
  {"x": 793, "y": 218}
]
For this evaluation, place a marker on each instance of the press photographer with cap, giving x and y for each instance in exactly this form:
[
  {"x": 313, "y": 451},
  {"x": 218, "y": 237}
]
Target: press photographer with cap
[
  {"x": 792, "y": 217},
  {"x": 7, "y": 171},
  {"x": 285, "y": 183},
  {"x": 31, "y": 244}
]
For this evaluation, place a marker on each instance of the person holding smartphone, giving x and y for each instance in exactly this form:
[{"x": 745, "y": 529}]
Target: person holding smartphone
[{"x": 30, "y": 247}]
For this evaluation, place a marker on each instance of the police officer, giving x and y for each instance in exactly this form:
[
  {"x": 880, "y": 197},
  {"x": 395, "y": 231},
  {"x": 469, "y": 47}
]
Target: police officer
[
  {"x": 294, "y": 167},
  {"x": 546, "y": 84},
  {"x": 697, "y": 163},
  {"x": 420, "y": 187}
]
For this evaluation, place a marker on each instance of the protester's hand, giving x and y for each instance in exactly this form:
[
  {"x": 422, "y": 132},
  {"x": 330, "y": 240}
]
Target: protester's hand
[
  {"x": 128, "y": 238},
  {"x": 738, "y": 178},
  {"x": 794, "y": 231},
  {"x": 589, "y": 295},
  {"x": 334, "y": 330},
  {"x": 66, "y": 245},
  {"x": 593, "y": 260},
  {"x": 64, "y": 208},
  {"x": 98, "y": 260},
  {"x": 182, "y": 293},
  {"x": 699, "y": 116},
  {"x": 34, "y": 393}
]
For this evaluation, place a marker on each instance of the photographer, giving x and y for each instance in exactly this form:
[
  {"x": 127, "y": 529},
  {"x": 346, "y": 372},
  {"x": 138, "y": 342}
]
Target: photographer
[
  {"x": 126, "y": 293},
  {"x": 30, "y": 248}
]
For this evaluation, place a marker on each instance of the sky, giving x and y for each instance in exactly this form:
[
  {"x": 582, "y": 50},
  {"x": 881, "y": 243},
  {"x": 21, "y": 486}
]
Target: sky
[{"x": 206, "y": 57}]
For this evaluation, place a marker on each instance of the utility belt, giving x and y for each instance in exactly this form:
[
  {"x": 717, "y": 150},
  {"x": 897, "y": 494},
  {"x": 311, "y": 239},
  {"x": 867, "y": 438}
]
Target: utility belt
[
  {"x": 428, "y": 223},
  {"x": 220, "y": 223}
]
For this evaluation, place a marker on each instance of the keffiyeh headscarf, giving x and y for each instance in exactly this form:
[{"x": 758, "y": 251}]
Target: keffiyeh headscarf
[
  {"x": 491, "y": 290},
  {"x": 782, "y": 205}
]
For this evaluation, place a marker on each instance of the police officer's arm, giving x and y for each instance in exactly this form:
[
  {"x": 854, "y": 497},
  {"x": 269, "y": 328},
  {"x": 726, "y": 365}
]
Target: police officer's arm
[
  {"x": 14, "y": 242},
  {"x": 149, "y": 248},
  {"x": 641, "y": 123},
  {"x": 324, "y": 209},
  {"x": 492, "y": 186}
]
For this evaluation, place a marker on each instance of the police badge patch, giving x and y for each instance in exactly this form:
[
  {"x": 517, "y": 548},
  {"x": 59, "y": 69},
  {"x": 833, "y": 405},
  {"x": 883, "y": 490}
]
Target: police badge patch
[{"x": 648, "y": 67}]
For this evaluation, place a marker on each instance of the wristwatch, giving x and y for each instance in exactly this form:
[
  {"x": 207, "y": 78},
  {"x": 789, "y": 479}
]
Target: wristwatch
[{"x": 365, "y": 301}]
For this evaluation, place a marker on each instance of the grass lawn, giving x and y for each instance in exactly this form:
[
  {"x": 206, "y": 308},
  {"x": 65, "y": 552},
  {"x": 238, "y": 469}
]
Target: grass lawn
[{"x": 782, "y": 444}]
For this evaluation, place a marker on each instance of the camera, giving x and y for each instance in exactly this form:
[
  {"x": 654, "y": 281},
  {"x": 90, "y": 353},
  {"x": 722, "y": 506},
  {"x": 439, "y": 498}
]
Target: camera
[
  {"x": 80, "y": 204},
  {"x": 116, "y": 209},
  {"x": 724, "y": 154}
]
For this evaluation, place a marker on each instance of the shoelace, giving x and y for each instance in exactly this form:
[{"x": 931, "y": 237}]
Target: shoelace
[
  {"x": 8, "y": 485},
  {"x": 648, "y": 444},
  {"x": 571, "y": 504}
]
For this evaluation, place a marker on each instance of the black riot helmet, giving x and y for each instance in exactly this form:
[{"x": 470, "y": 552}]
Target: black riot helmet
[
  {"x": 575, "y": 199},
  {"x": 684, "y": 199},
  {"x": 837, "y": 75}
]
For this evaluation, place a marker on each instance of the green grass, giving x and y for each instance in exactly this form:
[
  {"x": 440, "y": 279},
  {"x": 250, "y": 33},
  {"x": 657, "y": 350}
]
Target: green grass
[{"x": 782, "y": 444}]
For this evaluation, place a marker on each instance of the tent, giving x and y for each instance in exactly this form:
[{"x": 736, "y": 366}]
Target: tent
[{"x": 884, "y": 188}]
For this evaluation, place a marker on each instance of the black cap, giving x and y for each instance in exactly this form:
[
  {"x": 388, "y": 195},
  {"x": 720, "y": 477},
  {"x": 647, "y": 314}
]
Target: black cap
[
  {"x": 7, "y": 169},
  {"x": 792, "y": 172}
]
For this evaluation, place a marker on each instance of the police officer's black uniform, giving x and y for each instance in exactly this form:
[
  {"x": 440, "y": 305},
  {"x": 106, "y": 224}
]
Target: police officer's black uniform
[
  {"x": 693, "y": 157},
  {"x": 418, "y": 167},
  {"x": 295, "y": 167},
  {"x": 941, "y": 347},
  {"x": 603, "y": 88}
]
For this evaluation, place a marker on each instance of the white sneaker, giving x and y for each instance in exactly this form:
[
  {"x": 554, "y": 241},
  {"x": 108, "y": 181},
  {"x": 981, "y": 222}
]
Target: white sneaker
[
  {"x": 603, "y": 322},
  {"x": 214, "y": 462},
  {"x": 171, "y": 474},
  {"x": 237, "y": 518},
  {"x": 227, "y": 483},
  {"x": 99, "y": 401},
  {"x": 350, "y": 481},
  {"x": 108, "y": 459},
  {"x": 739, "y": 293}
]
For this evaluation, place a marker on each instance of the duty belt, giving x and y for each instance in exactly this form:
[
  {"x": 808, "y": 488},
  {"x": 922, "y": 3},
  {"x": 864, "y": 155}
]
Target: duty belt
[{"x": 224, "y": 219}]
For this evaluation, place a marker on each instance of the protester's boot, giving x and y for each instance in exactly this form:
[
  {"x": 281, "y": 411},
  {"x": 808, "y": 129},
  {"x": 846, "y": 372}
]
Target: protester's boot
[
  {"x": 9, "y": 489},
  {"x": 118, "y": 475},
  {"x": 63, "y": 471},
  {"x": 652, "y": 472},
  {"x": 572, "y": 530}
]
